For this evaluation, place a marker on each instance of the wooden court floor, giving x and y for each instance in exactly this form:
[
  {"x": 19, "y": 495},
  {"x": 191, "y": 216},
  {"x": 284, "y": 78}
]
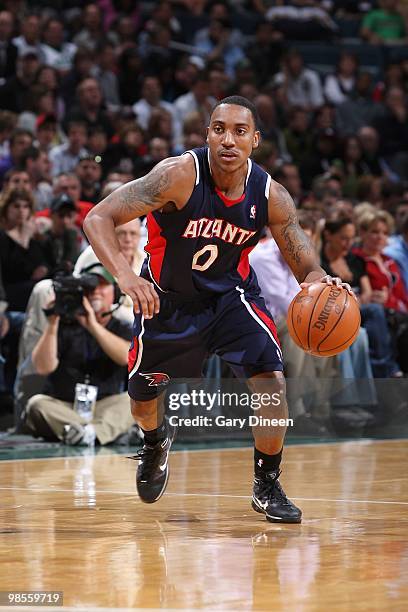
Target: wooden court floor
[{"x": 75, "y": 525}]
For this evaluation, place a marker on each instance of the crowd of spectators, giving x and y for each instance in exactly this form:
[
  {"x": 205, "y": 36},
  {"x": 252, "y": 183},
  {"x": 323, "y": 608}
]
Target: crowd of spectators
[{"x": 94, "y": 94}]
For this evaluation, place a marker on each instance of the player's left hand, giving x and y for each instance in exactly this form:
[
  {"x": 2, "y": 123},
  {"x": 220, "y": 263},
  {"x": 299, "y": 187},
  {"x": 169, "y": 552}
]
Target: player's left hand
[{"x": 330, "y": 280}]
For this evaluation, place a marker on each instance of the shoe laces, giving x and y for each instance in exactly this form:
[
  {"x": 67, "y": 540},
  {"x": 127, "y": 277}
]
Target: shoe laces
[
  {"x": 272, "y": 488},
  {"x": 145, "y": 454}
]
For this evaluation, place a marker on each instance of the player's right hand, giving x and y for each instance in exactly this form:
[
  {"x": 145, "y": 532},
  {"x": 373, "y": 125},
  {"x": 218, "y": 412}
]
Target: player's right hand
[{"x": 142, "y": 293}]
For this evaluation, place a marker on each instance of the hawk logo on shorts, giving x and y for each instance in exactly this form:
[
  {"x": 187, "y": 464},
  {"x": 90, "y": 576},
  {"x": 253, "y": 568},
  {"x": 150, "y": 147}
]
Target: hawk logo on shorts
[
  {"x": 156, "y": 379},
  {"x": 252, "y": 212}
]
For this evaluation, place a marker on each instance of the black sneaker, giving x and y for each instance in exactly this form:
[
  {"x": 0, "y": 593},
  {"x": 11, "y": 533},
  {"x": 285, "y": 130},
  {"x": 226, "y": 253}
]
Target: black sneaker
[
  {"x": 153, "y": 470},
  {"x": 269, "y": 498}
]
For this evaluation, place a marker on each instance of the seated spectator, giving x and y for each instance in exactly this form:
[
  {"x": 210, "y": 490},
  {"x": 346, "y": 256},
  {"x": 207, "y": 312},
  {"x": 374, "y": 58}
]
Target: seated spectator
[
  {"x": 383, "y": 272},
  {"x": 49, "y": 78},
  {"x": 8, "y": 57},
  {"x": 20, "y": 141},
  {"x": 106, "y": 75},
  {"x": 389, "y": 291},
  {"x": 59, "y": 355},
  {"x": 29, "y": 39},
  {"x": 160, "y": 125},
  {"x": 57, "y": 53},
  {"x": 298, "y": 136},
  {"x": 369, "y": 189},
  {"x": 301, "y": 85},
  {"x": 113, "y": 10},
  {"x": 384, "y": 25},
  {"x": 151, "y": 99},
  {"x": 288, "y": 175},
  {"x": 267, "y": 156},
  {"x": 161, "y": 56},
  {"x": 351, "y": 166},
  {"x": 90, "y": 107},
  {"x": 158, "y": 149},
  {"x": 218, "y": 42},
  {"x": 37, "y": 165},
  {"x": 129, "y": 238},
  {"x": 338, "y": 86},
  {"x": 265, "y": 51},
  {"x": 392, "y": 128},
  {"x": 268, "y": 123},
  {"x": 64, "y": 158},
  {"x": 60, "y": 243},
  {"x": 70, "y": 185},
  {"x": 98, "y": 144},
  {"x": 91, "y": 33},
  {"x": 359, "y": 110},
  {"x": 126, "y": 154},
  {"x": 15, "y": 93},
  {"x": 21, "y": 257},
  {"x": 197, "y": 100},
  {"x": 397, "y": 249},
  {"x": 298, "y": 20},
  {"x": 338, "y": 259},
  {"x": 321, "y": 156},
  {"x": 82, "y": 69},
  {"x": 370, "y": 144},
  {"x": 89, "y": 172},
  {"x": 46, "y": 132},
  {"x": 16, "y": 179}
]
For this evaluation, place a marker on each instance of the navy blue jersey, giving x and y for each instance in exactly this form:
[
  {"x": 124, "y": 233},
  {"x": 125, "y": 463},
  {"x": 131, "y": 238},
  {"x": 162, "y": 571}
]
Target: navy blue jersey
[{"x": 204, "y": 248}]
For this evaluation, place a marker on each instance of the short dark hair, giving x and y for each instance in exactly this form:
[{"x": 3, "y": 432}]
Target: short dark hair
[
  {"x": 335, "y": 225},
  {"x": 241, "y": 101}
]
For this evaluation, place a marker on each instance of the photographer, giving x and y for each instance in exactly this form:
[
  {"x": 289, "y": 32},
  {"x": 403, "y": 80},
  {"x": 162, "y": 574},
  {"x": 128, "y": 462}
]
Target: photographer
[{"x": 82, "y": 345}]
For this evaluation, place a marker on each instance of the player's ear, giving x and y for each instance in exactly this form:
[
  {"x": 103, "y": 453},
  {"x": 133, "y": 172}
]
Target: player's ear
[
  {"x": 256, "y": 140},
  {"x": 206, "y": 134}
]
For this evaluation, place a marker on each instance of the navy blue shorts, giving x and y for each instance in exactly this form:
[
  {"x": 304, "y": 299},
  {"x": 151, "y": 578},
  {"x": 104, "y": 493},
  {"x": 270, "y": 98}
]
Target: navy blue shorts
[{"x": 174, "y": 344}]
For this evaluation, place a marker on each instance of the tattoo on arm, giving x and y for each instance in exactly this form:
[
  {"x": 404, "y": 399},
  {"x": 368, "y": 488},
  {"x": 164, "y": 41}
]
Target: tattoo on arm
[
  {"x": 297, "y": 244},
  {"x": 296, "y": 241},
  {"x": 144, "y": 193}
]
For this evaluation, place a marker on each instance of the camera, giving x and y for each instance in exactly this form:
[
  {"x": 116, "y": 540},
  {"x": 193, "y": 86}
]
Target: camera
[{"x": 69, "y": 292}]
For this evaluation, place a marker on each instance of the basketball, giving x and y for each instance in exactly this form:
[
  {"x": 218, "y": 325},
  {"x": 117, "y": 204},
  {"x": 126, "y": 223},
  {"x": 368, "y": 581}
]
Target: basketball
[{"x": 324, "y": 319}]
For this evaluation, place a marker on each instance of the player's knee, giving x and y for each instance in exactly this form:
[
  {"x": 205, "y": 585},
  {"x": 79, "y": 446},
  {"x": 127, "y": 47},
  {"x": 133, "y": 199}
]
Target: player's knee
[
  {"x": 268, "y": 382},
  {"x": 143, "y": 409}
]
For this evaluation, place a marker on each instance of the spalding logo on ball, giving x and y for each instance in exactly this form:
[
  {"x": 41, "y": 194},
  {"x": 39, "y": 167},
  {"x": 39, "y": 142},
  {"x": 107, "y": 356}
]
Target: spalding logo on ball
[{"x": 324, "y": 320}]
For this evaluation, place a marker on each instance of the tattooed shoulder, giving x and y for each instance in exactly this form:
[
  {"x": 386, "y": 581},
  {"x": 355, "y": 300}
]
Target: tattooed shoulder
[{"x": 146, "y": 191}]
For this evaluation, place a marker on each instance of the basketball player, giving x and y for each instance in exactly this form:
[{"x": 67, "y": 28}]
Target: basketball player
[{"x": 197, "y": 294}]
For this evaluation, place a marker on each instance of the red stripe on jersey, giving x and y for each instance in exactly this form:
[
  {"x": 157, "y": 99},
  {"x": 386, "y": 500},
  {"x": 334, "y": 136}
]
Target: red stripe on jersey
[
  {"x": 243, "y": 265},
  {"x": 156, "y": 247},
  {"x": 132, "y": 355},
  {"x": 267, "y": 320},
  {"x": 226, "y": 200}
]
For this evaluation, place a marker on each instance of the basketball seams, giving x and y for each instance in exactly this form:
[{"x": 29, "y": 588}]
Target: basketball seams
[
  {"x": 336, "y": 348},
  {"x": 345, "y": 305},
  {"x": 325, "y": 286},
  {"x": 293, "y": 325}
]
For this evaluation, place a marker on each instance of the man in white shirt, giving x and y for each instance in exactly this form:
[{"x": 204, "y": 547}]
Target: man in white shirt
[
  {"x": 198, "y": 99},
  {"x": 302, "y": 85},
  {"x": 65, "y": 157},
  {"x": 151, "y": 99},
  {"x": 57, "y": 53},
  {"x": 29, "y": 40}
]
